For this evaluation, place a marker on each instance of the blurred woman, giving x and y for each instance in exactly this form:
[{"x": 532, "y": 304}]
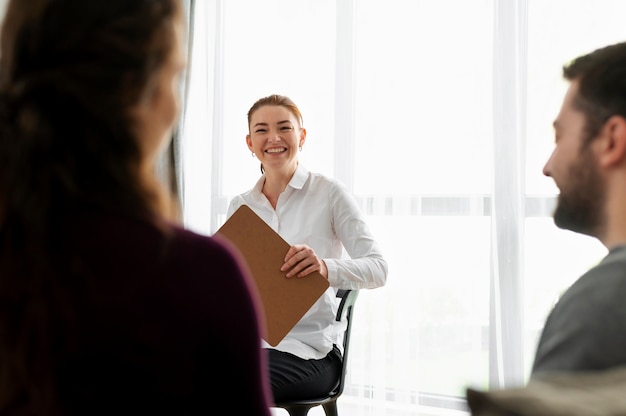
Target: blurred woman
[{"x": 106, "y": 305}]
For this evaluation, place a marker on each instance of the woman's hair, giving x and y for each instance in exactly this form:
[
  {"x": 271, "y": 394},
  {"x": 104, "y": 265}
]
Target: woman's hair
[
  {"x": 275, "y": 100},
  {"x": 279, "y": 100},
  {"x": 70, "y": 72}
]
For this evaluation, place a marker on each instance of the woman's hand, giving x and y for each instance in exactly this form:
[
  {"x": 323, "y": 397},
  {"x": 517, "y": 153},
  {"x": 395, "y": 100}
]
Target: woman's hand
[{"x": 301, "y": 260}]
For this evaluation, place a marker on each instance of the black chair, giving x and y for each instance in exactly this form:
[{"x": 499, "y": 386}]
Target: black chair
[{"x": 329, "y": 401}]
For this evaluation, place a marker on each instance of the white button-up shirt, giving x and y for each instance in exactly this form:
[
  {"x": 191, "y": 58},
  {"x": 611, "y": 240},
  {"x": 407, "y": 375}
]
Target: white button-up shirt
[{"x": 320, "y": 212}]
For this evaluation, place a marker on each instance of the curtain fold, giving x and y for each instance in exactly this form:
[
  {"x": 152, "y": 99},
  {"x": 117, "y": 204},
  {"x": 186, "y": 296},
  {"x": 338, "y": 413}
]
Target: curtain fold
[{"x": 508, "y": 203}]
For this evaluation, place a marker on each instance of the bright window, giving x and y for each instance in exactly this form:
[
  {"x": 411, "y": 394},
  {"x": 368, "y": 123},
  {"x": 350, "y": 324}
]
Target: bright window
[{"x": 437, "y": 114}]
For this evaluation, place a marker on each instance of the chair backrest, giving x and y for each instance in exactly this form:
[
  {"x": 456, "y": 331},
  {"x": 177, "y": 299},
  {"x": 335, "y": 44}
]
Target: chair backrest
[
  {"x": 329, "y": 402},
  {"x": 346, "y": 307}
]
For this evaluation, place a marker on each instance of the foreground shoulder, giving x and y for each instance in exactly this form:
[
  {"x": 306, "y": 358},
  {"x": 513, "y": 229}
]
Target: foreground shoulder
[
  {"x": 191, "y": 239},
  {"x": 211, "y": 264},
  {"x": 198, "y": 252}
]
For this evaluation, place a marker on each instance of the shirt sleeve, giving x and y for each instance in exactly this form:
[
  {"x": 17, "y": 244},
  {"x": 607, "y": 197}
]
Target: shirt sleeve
[{"x": 366, "y": 268}]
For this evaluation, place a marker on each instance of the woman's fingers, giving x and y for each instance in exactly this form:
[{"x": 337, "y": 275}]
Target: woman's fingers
[{"x": 300, "y": 261}]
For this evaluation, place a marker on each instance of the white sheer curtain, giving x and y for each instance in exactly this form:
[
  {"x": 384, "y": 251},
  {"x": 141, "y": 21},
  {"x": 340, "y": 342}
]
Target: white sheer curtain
[{"x": 437, "y": 114}]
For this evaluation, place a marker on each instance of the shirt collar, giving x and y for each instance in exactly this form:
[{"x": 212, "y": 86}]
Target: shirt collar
[
  {"x": 297, "y": 181},
  {"x": 299, "y": 177}
]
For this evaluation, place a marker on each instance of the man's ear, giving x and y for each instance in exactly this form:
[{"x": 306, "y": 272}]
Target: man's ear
[{"x": 613, "y": 150}]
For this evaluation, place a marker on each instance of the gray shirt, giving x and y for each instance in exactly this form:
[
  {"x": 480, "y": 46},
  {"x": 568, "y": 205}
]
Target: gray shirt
[{"x": 586, "y": 330}]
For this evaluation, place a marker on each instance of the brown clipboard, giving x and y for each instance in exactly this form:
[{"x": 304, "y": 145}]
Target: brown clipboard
[{"x": 284, "y": 300}]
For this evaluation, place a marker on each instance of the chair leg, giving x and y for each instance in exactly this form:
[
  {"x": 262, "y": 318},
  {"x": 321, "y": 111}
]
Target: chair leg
[
  {"x": 330, "y": 408},
  {"x": 297, "y": 410}
]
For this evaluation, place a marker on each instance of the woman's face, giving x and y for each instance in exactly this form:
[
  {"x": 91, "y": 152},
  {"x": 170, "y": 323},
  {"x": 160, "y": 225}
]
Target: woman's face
[
  {"x": 275, "y": 137},
  {"x": 157, "y": 112}
]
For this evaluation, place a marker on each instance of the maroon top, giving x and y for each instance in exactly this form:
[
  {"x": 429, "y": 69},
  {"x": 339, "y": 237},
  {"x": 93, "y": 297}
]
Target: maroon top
[{"x": 166, "y": 325}]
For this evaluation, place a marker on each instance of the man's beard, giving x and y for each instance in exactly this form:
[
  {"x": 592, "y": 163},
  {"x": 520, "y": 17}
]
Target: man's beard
[{"x": 581, "y": 201}]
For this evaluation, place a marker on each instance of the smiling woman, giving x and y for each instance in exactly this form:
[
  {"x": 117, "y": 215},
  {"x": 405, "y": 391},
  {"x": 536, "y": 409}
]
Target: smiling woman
[
  {"x": 276, "y": 134},
  {"x": 319, "y": 219}
]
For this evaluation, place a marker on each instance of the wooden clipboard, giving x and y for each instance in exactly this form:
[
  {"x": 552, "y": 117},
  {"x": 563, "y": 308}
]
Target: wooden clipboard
[{"x": 285, "y": 300}]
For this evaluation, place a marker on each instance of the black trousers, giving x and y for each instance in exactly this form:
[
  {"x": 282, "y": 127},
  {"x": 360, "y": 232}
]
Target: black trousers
[{"x": 292, "y": 377}]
